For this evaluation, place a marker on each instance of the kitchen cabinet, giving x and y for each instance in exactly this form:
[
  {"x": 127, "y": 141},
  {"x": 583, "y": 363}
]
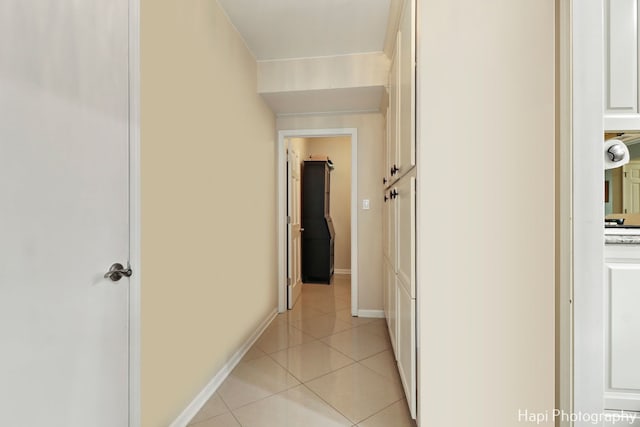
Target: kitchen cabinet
[
  {"x": 400, "y": 150},
  {"x": 622, "y": 327},
  {"x": 621, "y": 44},
  {"x": 406, "y": 45},
  {"x": 391, "y": 151},
  {"x": 399, "y": 214},
  {"x": 390, "y": 300},
  {"x": 390, "y": 229},
  {"x": 405, "y": 235},
  {"x": 400, "y": 275},
  {"x": 406, "y": 344}
]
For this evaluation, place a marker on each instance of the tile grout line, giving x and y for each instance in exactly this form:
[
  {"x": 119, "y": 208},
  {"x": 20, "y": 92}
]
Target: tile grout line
[
  {"x": 381, "y": 410},
  {"x": 294, "y": 326},
  {"x": 329, "y": 404}
]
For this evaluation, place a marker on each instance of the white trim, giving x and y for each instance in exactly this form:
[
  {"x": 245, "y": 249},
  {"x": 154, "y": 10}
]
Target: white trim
[
  {"x": 134, "y": 214},
  {"x": 564, "y": 236},
  {"x": 588, "y": 192},
  {"x": 329, "y": 113},
  {"x": 373, "y": 314},
  {"x": 282, "y": 208},
  {"x": 341, "y": 271},
  {"x": 205, "y": 394}
]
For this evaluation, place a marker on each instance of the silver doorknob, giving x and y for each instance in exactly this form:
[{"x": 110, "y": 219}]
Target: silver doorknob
[
  {"x": 302, "y": 229},
  {"x": 117, "y": 271},
  {"x": 616, "y": 152}
]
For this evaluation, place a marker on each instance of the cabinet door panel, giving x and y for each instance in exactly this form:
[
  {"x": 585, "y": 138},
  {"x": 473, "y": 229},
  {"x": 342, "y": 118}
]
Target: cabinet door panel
[
  {"x": 385, "y": 293},
  {"x": 406, "y": 346},
  {"x": 621, "y": 65},
  {"x": 406, "y": 123},
  {"x": 391, "y": 289},
  {"x": 406, "y": 223},
  {"x": 623, "y": 330},
  {"x": 392, "y": 218},
  {"x": 394, "y": 112},
  {"x": 385, "y": 225},
  {"x": 632, "y": 419}
]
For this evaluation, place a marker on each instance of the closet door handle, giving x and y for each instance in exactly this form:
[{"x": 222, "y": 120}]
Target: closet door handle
[
  {"x": 117, "y": 271},
  {"x": 385, "y": 198}
]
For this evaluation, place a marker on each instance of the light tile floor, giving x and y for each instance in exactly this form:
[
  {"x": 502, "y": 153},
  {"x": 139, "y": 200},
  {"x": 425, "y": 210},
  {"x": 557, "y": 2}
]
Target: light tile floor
[{"x": 314, "y": 366}]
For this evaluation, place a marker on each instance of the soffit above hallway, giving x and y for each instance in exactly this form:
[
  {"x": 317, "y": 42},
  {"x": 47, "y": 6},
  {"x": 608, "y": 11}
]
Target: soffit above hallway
[{"x": 283, "y": 29}]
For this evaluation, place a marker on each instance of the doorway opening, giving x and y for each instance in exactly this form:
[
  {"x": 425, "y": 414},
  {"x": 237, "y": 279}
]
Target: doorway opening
[{"x": 294, "y": 147}]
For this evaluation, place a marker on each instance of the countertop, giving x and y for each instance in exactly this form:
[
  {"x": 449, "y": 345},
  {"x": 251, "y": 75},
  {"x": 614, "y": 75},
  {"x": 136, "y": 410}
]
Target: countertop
[{"x": 622, "y": 236}]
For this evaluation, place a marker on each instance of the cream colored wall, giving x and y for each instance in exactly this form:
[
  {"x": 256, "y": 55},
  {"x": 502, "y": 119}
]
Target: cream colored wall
[
  {"x": 370, "y": 142},
  {"x": 338, "y": 149},
  {"x": 486, "y": 274},
  {"x": 209, "y": 266}
]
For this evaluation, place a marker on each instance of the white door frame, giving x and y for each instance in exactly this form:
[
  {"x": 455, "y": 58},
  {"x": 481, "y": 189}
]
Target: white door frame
[
  {"x": 584, "y": 283},
  {"x": 282, "y": 208},
  {"x": 134, "y": 214}
]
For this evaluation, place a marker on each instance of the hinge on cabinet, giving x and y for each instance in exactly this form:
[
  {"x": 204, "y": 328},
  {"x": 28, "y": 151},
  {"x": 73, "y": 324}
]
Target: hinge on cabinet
[
  {"x": 625, "y": 174},
  {"x": 288, "y": 220},
  {"x": 288, "y": 281}
]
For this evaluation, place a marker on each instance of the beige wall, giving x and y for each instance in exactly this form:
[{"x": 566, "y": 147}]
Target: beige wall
[
  {"x": 370, "y": 160},
  {"x": 209, "y": 266},
  {"x": 338, "y": 149},
  {"x": 486, "y": 274}
]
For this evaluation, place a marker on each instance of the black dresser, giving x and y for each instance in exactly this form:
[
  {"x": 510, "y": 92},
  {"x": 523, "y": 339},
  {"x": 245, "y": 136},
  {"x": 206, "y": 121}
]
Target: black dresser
[{"x": 318, "y": 237}]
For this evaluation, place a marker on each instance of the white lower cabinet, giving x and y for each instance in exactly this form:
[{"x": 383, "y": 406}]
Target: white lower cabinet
[
  {"x": 399, "y": 280},
  {"x": 406, "y": 345},
  {"x": 391, "y": 297},
  {"x": 622, "y": 328},
  {"x": 406, "y": 233}
]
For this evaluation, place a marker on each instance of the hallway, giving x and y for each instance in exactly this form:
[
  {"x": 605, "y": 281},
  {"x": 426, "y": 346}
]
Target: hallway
[{"x": 314, "y": 366}]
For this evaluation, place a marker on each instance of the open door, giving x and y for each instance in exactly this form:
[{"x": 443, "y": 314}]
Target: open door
[
  {"x": 631, "y": 188},
  {"x": 64, "y": 183},
  {"x": 294, "y": 241}
]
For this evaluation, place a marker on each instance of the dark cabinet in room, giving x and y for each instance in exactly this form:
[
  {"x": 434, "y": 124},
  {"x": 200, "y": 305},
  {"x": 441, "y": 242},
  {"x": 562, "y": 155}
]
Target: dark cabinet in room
[{"x": 318, "y": 237}]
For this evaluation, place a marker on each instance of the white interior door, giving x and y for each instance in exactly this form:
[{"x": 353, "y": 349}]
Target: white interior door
[
  {"x": 63, "y": 213},
  {"x": 631, "y": 188},
  {"x": 294, "y": 285}
]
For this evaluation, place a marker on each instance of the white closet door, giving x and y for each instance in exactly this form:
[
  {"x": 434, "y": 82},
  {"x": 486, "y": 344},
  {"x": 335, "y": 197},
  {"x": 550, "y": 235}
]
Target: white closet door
[{"x": 64, "y": 215}]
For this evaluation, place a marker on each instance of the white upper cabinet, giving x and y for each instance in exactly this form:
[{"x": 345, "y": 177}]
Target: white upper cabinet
[
  {"x": 401, "y": 127},
  {"x": 621, "y": 106},
  {"x": 393, "y": 117},
  {"x": 406, "y": 157}
]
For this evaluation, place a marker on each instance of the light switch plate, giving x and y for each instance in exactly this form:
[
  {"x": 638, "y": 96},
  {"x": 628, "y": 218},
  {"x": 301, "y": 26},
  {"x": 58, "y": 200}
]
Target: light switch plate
[{"x": 365, "y": 204}]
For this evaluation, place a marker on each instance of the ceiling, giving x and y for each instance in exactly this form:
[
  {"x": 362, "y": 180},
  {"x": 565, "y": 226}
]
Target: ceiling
[{"x": 283, "y": 29}]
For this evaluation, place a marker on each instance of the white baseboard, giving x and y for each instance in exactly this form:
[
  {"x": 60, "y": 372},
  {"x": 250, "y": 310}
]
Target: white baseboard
[
  {"x": 378, "y": 314},
  {"x": 208, "y": 391},
  {"x": 341, "y": 271}
]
